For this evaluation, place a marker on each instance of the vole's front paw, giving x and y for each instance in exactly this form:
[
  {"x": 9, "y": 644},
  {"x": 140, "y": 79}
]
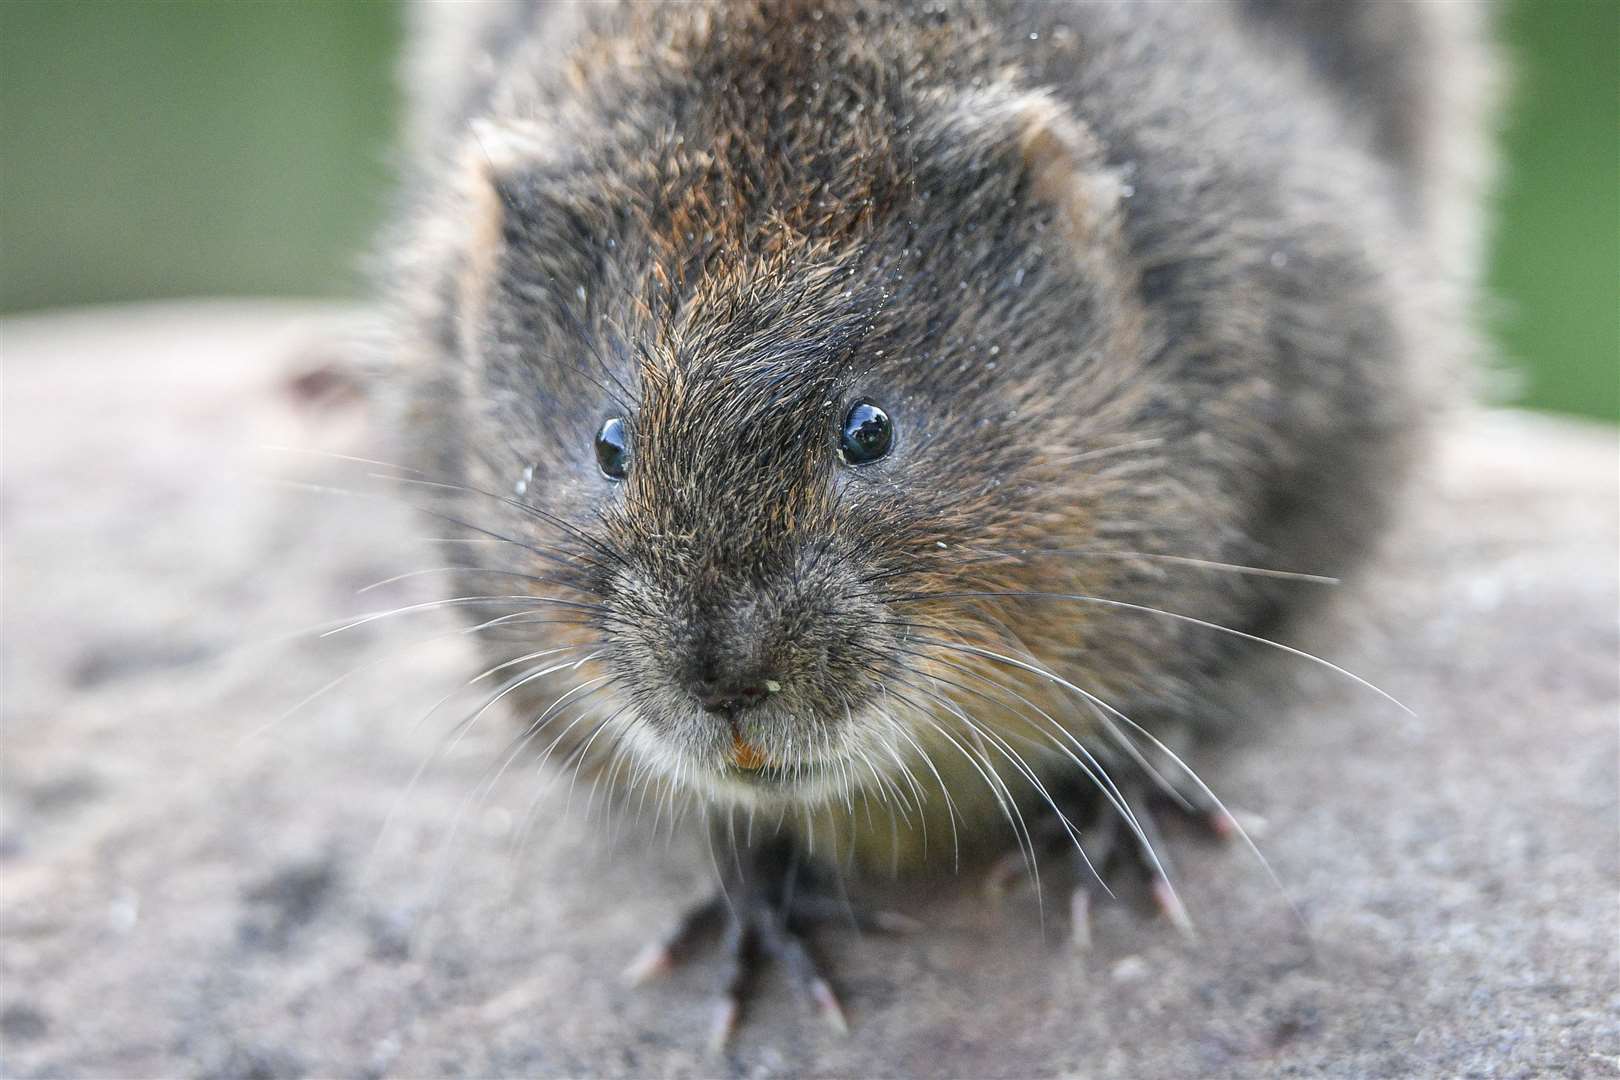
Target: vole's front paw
[
  {"x": 760, "y": 914},
  {"x": 1109, "y": 837}
]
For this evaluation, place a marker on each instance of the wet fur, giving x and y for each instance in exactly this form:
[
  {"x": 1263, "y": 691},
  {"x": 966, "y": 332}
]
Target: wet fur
[{"x": 1133, "y": 280}]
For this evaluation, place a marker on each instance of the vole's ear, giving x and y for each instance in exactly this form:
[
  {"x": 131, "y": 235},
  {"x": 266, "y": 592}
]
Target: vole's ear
[
  {"x": 1062, "y": 158},
  {"x": 1062, "y": 166},
  {"x": 493, "y": 155}
]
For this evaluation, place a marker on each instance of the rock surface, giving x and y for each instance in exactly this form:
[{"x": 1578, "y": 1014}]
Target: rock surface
[{"x": 198, "y": 878}]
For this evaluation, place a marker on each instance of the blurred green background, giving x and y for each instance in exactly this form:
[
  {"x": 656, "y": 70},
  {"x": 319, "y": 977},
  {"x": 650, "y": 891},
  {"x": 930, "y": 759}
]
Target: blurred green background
[{"x": 183, "y": 148}]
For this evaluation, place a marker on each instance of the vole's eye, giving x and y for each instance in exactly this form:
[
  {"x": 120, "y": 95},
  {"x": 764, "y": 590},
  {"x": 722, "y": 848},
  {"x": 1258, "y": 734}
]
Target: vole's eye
[
  {"x": 868, "y": 434},
  {"x": 612, "y": 449}
]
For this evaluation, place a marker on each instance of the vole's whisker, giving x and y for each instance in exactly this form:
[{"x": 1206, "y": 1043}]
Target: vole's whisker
[
  {"x": 544, "y": 551},
  {"x": 309, "y": 451},
  {"x": 328, "y": 626},
  {"x": 1205, "y": 790},
  {"x": 1014, "y": 594},
  {"x": 976, "y": 734},
  {"x": 1058, "y": 680},
  {"x": 887, "y": 783},
  {"x": 387, "y": 657},
  {"x": 849, "y": 719},
  {"x": 1018, "y": 762},
  {"x": 578, "y": 756},
  {"x": 1153, "y": 556},
  {"x": 422, "y": 768},
  {"x": 951, "y": 812},
  {"x": 540, "y": 579},
  {"x": 515, "y": 600},
  {"x": 1091, "y": 767},
  {"x": 530, "y": 509},
  {"x": 515, "y": 746},
  {"x": 918, "y": 795},
  {"x": 459, "y": 540},
  {"x": 484, "y": 788},
  {"x": 881, "y": 783},
  {"x": 481, "y": 791},
  {"x": 459, "y": 732},
  {"x": 997, "y": 786},
  {"x": 1134, "y": 752},
  {"x": 448, "y": 744},
  {"x": 487, "y": 672},
  {"x": 617, "y": 759}
]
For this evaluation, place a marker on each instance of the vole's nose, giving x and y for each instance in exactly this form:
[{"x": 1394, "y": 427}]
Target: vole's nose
[{"x": 727, "y": 692}]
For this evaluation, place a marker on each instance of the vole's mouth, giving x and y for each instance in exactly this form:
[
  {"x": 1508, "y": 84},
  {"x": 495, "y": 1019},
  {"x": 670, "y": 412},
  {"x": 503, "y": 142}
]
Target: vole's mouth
[
  {"x": 752, "y": 764},
  {"x": 768, "y": 775}
]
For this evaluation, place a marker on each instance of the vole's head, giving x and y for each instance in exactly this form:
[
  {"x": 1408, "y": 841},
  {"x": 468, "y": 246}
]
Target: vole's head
[{"x": 759, "y": 368}]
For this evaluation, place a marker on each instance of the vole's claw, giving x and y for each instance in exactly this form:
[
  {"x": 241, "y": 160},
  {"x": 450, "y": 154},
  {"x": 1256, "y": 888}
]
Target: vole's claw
[
  {"x": 1164, "y": 895},
  {"x": 822, "y": 994},
  {"x": 787, "y": 947},
  {"x": 661, "y": 956},
  {"x": 651, "y": 962},
  {"x": 724, "y": 1023},
  {"x": 761, "y": 917}
]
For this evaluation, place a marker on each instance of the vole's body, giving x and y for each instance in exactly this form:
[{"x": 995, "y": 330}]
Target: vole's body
[{"x": 1143, "y": 288}]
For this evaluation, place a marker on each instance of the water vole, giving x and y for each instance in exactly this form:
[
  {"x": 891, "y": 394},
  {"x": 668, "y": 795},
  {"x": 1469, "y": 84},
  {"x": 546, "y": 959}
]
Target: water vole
[{"x": 901, "y": 420}]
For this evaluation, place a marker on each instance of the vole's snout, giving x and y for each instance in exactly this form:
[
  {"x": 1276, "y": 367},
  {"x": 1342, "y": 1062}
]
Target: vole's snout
[
  {"x": 750, "y": 678},
  {"x": 734, "y": 661},
  {"x": 726, "y": 689}
]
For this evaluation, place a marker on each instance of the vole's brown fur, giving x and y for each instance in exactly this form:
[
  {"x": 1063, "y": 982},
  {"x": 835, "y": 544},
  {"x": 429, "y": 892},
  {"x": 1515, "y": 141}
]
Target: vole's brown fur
[{"x": 1144, "y": 288}]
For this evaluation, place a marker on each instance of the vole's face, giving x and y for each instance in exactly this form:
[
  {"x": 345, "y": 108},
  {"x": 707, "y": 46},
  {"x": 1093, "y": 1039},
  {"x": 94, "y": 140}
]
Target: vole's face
[
  {"x": 743, "y": 485},
  {"x": 753, "y": 500},
  {"x": 743, "y": 434}
]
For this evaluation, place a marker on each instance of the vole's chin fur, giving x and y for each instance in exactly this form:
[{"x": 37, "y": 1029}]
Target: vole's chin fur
[{"x": 790, "y": 783}]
